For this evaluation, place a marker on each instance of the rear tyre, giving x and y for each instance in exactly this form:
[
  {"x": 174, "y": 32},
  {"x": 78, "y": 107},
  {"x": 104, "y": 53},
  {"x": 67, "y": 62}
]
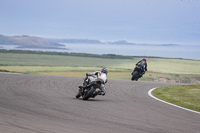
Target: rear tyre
[
  {"x": 135, "y": 76},
  {"x": 89, "y": 93}
]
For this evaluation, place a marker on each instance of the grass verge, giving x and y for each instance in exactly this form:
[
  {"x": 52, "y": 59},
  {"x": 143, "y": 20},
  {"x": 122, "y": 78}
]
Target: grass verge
[
  {"x": 186, "y": 96},
  {"x": 119, "y": 67},
  {"x": 114, "y": 73}
]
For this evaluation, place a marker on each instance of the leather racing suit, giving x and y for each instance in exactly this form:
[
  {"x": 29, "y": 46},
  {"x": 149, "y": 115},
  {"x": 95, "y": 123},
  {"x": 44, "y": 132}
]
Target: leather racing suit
[{"x": 92, "y": 76}]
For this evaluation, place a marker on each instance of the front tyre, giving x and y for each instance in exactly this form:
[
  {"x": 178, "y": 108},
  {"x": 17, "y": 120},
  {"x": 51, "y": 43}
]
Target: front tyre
[
  {"x": 79, "y": 93},
  {"x": 89, "y": 93}
]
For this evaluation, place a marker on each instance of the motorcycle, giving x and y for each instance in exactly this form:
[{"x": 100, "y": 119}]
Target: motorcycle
[
  {"x": 137, "y": 73},
  {"x": 91, "y": 87}
]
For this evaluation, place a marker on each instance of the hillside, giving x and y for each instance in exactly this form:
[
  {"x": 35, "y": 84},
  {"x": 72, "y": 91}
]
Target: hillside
[
  {"x": 92, "y": 41},
  {"x": 26, "y": 41},
  {"x": 29, "y": 42}
]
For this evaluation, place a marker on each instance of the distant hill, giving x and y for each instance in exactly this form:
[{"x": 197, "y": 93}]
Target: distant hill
[
  {"x": 29, "y": 42},
  {"x": 44, "y": 43},
  {"x": 88, "y": 41},
  {"x": 92, "y": 41}
]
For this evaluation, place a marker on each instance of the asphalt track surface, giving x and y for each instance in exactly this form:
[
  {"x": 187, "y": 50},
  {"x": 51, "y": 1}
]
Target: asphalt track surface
[{"x": 47, "y": 104}]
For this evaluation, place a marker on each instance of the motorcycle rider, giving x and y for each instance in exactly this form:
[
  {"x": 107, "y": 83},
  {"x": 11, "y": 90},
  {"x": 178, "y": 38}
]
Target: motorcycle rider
[
  {"x": 94, "y": 75},
  {"x": 142, "y": 63}
]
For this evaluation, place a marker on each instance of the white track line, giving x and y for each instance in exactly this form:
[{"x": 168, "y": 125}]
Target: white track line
[{"x": 150, "y": 94}]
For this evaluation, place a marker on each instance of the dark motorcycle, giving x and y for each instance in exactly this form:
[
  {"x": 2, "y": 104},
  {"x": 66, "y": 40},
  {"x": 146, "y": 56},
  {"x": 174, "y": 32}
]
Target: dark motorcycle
[
  {"x": 137, "y": 73},
  {"x": 92, "y": 88}
]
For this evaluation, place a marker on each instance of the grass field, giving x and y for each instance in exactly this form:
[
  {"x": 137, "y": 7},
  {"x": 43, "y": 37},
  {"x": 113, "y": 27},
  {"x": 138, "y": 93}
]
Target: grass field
[
  {"x": 161, "y": 65},
  {"x": 120, "y": 67},
  {"x": 184, "y": 95}
]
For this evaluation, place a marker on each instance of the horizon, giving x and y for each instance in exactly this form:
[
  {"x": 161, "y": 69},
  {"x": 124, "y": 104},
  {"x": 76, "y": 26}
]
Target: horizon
[
  {"x": 111, "y": 41},
  {"x": 107, "y": 41},
  {"x": 174, "y": 22}
]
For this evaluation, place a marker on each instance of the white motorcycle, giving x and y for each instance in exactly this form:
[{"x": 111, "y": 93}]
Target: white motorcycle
[{"x": 93, "y": 84}]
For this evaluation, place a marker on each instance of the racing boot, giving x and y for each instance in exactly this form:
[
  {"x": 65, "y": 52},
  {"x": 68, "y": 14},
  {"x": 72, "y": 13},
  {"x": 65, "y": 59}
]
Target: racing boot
[
  {"x": 95, "y": 94},
  {"x": 101, "y": 93}
]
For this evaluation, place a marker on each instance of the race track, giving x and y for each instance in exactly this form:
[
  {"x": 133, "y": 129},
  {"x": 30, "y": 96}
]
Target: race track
[{"x": 47, "y": 104}]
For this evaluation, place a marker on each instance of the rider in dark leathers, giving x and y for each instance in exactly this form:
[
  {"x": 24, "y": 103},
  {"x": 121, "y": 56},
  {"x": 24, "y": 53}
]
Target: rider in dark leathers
[{"x": 143, "y": 64}]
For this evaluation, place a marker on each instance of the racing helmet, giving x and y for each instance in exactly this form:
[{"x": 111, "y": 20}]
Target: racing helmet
[
  {"x": 104, "y": 70},
  {"x": 144, "y": 59}
]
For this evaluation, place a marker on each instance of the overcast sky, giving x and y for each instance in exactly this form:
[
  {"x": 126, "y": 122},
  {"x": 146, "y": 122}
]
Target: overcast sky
[{"x": 166, "y": 21}]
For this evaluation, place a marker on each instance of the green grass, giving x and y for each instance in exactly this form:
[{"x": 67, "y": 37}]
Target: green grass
[
  {"x": 178, "y": 66},
  {"x": 120, "y": 67},
  {"x": 170, "y": 77},
  {"x": 4, "y": 70},
  {"x": 161, "y": 65},
  {"x": 16, "y": 59},
  {"x": 183, "y": 95},
  {"x": 114, "y": 73}
]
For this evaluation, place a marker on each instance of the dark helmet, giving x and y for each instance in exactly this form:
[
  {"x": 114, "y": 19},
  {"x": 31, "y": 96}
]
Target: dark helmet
[
  {"x": 144, "y": 59},
  {"x": 104, "y": 70}
]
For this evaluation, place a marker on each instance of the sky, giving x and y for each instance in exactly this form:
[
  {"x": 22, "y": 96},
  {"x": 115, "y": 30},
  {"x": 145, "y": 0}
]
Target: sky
[{"x": 139, "y": 21}]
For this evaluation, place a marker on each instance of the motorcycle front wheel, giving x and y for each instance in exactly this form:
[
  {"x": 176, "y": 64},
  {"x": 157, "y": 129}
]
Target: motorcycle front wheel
[{"x": 79, "y": 93}]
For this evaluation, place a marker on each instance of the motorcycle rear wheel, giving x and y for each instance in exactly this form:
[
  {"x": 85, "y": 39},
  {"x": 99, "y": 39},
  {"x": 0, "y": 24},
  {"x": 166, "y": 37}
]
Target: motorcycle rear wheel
[
  {"x": 89, "y": 93},
  {"x": 134, "y": 76}
]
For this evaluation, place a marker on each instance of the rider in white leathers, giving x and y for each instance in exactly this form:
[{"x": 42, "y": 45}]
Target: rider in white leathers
[{"x": 92, "y": 76}]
